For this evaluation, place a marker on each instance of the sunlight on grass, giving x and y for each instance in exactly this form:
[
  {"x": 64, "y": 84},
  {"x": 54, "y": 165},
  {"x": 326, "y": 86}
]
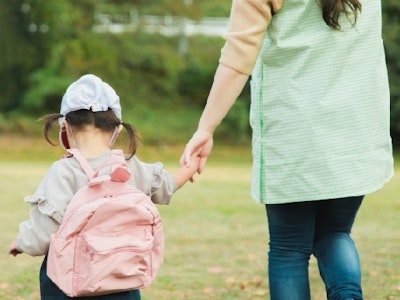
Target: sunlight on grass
[{"x": 216, "y": 237}]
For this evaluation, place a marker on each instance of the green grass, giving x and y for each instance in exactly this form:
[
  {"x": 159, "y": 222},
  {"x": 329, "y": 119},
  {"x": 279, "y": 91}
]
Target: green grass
[{"x": 216, "y": 237}]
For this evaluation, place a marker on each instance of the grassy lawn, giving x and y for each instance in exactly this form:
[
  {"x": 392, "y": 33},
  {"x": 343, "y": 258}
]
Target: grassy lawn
[{"x": 216, "y": 237}]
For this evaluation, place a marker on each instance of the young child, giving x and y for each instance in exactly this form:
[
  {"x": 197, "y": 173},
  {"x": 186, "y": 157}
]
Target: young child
[{"x": 90, "y": 120}]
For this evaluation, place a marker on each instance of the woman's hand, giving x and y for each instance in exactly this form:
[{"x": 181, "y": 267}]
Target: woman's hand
[{"x": 200, "y": 144}]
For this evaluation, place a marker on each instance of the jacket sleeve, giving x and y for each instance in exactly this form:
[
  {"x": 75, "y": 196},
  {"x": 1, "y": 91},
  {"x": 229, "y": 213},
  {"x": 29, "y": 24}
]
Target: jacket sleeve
[
  {"x": 164, "y": 185},
  {"x": 34, "y": 233},
  {"x": 153, "y": 180},
  {"x": 249, "y": 20},
  {"x": 47, "y": 207}
]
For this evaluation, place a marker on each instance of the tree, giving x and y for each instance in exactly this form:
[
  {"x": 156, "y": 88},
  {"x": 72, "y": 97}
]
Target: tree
[
  {"x": 391, "y": 37},
  {"x": 68, "y": 37},
  {"x": 21, "y": 50},
  {"x": 45, "y": 45}
]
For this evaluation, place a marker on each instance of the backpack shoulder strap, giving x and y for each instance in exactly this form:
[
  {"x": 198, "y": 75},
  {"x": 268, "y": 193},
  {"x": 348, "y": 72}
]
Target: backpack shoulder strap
[
  {"x": 119, "y": 170},
  {"x": 117, "y": 162},
  {"x": 83, "y": 162}
]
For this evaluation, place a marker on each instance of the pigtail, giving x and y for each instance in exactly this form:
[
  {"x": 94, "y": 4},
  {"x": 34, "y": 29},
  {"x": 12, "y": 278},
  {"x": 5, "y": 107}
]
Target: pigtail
[
  {"x": 133, "y": 138},
  {"x": 48, "y": 125}
]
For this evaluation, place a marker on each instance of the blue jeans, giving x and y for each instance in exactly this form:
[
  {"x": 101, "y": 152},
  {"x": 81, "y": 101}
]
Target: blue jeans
[
  {"x": 321, "y": 228},
  {"x": 49, "y": 291}
]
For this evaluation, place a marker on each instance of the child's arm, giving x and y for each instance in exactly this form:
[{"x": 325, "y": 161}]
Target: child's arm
[{"x": 185, "y": 174}]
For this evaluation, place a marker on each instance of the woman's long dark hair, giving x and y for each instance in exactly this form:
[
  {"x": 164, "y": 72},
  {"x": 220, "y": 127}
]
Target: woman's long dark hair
[{"x": 332, "y": 9}]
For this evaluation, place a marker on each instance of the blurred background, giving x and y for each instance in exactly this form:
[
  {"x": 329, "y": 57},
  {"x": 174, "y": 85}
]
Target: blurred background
[{"x": 159, "y": 55}]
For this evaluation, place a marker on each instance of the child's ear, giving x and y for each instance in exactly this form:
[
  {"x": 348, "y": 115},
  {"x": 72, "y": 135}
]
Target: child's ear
[
  {"x": 63, "y": 125},
  {"x": 67, "y": 129},
  {"x": 117, "y": 131}
]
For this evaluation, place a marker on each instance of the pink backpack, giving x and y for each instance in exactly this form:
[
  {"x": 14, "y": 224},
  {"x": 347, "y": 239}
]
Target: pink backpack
[{"x": 111, "y": 237}]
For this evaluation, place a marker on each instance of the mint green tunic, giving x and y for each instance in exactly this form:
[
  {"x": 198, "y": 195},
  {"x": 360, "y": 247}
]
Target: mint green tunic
[{"x": 320, "y": 107}]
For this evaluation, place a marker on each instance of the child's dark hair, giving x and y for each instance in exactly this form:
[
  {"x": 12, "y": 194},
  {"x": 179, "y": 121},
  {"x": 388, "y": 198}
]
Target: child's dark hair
[{"x": 106, "y": 121}]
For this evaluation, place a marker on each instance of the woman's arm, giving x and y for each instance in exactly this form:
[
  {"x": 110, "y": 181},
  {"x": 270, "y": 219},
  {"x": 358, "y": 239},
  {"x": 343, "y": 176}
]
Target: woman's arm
[{"x": 227, "y": 86}]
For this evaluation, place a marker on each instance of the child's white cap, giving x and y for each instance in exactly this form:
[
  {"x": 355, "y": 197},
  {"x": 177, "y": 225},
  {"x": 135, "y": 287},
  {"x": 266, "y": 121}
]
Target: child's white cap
[{"x": 91, "y": 93}]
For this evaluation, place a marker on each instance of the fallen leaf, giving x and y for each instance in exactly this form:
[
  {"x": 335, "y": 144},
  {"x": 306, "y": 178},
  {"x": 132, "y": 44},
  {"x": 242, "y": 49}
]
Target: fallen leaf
[
  {"x": 243, "y": 285},
  {"x": 257, "y": 280}
]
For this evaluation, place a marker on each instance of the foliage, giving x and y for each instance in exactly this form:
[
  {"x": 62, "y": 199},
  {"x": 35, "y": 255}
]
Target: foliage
[
  {"x": 48, "y": 44},
  {"x": 150, "y": 67},
  {"x": 67, "y": 61},
  {"x": 194, "y": 9},
  {"x": 31, "y": 31},
  {"x": 391, "y": 36},
  {"x": 196, "y": 77},
  {"x": 19, "y": 51}
]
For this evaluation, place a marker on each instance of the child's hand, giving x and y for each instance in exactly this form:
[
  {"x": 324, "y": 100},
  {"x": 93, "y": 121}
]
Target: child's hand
[
  {"x": 12, "y": 250},
  {"x": 195, "y": 160},
  {"x": 186, "y": 172}
]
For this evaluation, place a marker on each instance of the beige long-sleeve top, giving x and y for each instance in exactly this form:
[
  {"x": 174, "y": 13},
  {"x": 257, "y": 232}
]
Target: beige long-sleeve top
[
  {"x": 62, "y": 181},
  {"x": 248, "y": 25}
]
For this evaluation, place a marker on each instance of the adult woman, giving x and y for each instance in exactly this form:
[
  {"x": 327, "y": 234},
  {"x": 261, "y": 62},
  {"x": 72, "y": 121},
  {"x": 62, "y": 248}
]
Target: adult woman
[{"x": 320, "y": 120}]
